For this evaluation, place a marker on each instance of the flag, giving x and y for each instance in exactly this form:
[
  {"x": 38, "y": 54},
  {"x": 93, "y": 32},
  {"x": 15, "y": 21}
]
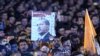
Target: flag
[{"x": 89, "y": 34}]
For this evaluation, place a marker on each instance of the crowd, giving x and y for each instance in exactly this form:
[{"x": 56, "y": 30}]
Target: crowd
[{"x": 15, "y": 27}]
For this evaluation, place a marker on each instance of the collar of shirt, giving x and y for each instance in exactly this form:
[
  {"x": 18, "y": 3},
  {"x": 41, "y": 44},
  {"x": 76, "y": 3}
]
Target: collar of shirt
[{"x": 41, "y": 37}]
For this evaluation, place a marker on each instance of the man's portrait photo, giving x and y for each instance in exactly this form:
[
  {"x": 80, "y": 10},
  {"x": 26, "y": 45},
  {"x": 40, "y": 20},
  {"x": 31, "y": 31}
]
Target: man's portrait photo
[{"x": 43, "y": 28}]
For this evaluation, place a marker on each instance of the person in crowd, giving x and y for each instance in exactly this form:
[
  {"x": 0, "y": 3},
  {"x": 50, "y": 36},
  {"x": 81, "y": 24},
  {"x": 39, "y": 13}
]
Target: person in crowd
[
  {"x": 23, "y": 46},
  {"x": 2, "y": 34},
  {"x": 15, "y": 20},
  {"x": 14, "y": 45},
  {"x": 24, "y": 22},
  {"x": 3, "y": 50}
]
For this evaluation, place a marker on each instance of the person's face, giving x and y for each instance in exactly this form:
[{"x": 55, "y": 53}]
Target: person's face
[
  {"x": 42, "y": 27},
  {"x": 2, "y": 33},
  {"x": 24, "y": 22},
  {"x": 76, "y": 40},
  {"x": 14, "y": 47},
  {"x": 21, "y": 8},
  {"x": 12, "y": 20},
  {"x": 44, "y": 49},
  {"x": 29, "y": 12},
  {"x": 80, "y": 2},
  {"x": 28, "y": 30},
  {"x": 74, "y": 30},
  {"x": 66, "y": 19},
  {"x": 44, "y": 4},
  {"x": 56, "y": 40},
  {"x": 62, "y": 31},
  {"x": 4, "y": 16},
  {"x": 67, "y": 45},
  {"x": 23, "y": 46},
  {"x": 67, "y": 32},
  {"x": 19, "y": 27},
  {"x": 69, "y": 18},
  {"x": 79, "y": 14},
  {"x": 65, "y": 7},
  {"x": 4, "y": 41},
  {"x": 80, "y": 21},
  {"x": 95, "y": 20}
]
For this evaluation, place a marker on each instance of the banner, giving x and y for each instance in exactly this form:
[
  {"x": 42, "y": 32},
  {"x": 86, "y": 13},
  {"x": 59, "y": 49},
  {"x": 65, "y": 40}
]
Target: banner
[{"x": 42, "y": 24}]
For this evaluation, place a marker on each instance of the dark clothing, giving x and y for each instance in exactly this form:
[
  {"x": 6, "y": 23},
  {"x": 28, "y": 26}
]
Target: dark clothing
[
  {"x": 46, "y": 37},
  {"x": 26, "y": 54}
]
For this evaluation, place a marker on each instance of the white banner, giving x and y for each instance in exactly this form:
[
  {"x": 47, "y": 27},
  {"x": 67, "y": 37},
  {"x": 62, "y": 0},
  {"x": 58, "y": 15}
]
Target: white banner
[{"x": 42, "y": 23}]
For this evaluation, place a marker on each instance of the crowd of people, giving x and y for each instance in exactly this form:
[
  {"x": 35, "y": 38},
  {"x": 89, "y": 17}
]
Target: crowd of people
[{"x": 15, "y": 27}]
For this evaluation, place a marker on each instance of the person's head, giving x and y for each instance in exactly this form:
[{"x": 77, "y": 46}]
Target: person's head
[
  {"x": 22, "y": 36},
  {"x": 74, "y": 28},
  {"x": 3, "y": 50},
  {"x": 24, "y": 21},
  {"x": 75, "y": 39},
  {"x": 80, "y": 2},
  {"x": 65, "y": 7},
  {"x": 4, "y": 16},
  {"x": 43, "y": 26},
  {"x": 95, "y": 20},
  {"x": 44, "y": 4},
  {"x": 12, "y": 20},
  {"x": 23, "y": 45},
  {"x": 14, "y": 46},
  {"x": 61, "y": 31},
  {"x": 21, "y": 8},
  {"x": 67, "y": 32},
  {"x": 44, "y": 49},
  {"x": 80, "y": 21},
  {"x": 2, "y": 34},
  {"x": 56, "y": 45},
  {"x": 28, "y": 30},
  {"x": 79, "y": 14},
  {"x": 67, "y": 44},
  {"x": 8, "y": 47},
  {"x": 18, "y": 28},
  {"x": 4, "y": 41}
]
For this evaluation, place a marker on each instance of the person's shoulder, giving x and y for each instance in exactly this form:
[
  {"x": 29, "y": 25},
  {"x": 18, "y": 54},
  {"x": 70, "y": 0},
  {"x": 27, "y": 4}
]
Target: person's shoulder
[{"x": 48, "y": 34}]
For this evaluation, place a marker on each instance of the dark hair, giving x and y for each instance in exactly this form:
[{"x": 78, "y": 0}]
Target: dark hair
[
  {"x": 22, "y": 40},
  {"x": 46, "y": 21},
  {"x": 24, "y": 18},
  {"x": 13, "y": 41}
]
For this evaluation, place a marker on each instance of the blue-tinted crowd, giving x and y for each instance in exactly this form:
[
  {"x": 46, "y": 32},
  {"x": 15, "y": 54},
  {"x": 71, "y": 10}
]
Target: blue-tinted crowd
[{"x": 15, "y": 27}]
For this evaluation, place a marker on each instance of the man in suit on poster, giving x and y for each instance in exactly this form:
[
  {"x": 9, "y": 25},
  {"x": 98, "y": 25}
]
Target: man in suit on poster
[{"x": 43, "y": 30}]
